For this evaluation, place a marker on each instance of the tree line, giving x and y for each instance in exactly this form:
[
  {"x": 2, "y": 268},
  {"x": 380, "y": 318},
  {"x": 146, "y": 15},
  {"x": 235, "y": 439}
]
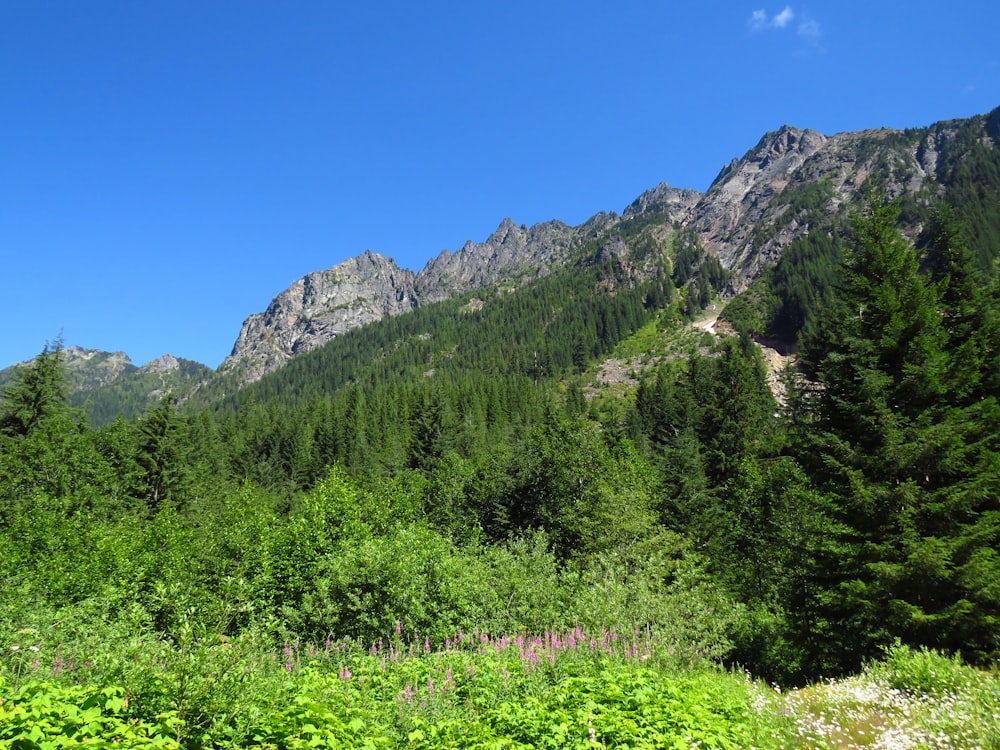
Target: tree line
[{"x": 347, "y": 491}]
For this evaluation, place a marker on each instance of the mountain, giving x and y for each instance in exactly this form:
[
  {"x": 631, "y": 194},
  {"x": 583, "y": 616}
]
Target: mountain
[
  {"x": 361, "y": 290},
  {"x": 316, "y": 308},
  {"x": 756, "y": 207},
  {"x": 106, "y": 385},
  {"x": 768, "y": 215}
]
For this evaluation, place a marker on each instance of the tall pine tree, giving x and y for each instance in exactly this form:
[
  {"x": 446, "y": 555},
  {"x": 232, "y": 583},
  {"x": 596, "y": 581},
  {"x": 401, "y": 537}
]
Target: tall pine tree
[{"x": 913, "y": 471}]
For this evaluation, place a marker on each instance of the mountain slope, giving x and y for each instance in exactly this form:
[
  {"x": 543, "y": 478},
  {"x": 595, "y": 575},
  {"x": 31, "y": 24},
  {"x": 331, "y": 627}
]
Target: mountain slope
[
  {"x": 361, "y": 290},
  {"x": 768, "y": 230},
  {"x": 757, "y": 207}
]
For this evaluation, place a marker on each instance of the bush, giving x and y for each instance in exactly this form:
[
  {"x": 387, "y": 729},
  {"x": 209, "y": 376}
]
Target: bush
[{"x": 924, "y": 671}]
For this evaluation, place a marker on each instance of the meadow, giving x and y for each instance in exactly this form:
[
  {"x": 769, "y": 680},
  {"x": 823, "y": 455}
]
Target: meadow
[{"x": 569, "y": 689}]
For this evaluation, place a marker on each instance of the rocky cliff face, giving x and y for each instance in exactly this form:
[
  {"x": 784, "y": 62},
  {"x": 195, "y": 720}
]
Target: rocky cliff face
[
  {"x": 511, "y": 253},
  {"x": 741, "y": 194},
  {"x": 746, "y": 218},
  {"x": 677, "y": 203},
  {"x": 319, "y": 306},
  {"x": 91, "y": 368}
]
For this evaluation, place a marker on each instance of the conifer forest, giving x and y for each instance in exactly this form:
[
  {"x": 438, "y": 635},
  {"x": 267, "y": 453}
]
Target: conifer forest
[{"x": 442, "y": 530}]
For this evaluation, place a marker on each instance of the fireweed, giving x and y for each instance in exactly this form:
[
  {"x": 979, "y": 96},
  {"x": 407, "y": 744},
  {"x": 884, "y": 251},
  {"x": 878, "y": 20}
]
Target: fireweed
[{"x": 559, "y": 688}]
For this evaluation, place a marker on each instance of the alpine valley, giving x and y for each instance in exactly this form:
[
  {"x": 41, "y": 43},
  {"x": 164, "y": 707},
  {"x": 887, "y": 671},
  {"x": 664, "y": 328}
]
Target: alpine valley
[{"x": 650, "y": 481}]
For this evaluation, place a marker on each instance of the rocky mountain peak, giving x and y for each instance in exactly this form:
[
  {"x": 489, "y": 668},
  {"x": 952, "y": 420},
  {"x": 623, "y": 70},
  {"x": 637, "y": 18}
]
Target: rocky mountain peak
[
  {"x": 502, "y": 233},
  {"x": 740, "y": 196},
  {"x": 511, "y": 253},
  {"x": 756, "y": 207},
  {"x": 88, "y": 367},
  {"x": 318, "y": 307},
  {"x": 675, "y": 202},
  {"x": 166, "y": 363},
  {"x": 777, "y": 155},
  {"x": 76, "y": 354}
]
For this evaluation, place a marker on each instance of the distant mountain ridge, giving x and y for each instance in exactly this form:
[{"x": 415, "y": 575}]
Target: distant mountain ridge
[
  {"x": 108, "y": 385},
  {"x": 757, "y": 206},
  {"x": 745, "y": 219},
  {"x": 361, "y": 290}
]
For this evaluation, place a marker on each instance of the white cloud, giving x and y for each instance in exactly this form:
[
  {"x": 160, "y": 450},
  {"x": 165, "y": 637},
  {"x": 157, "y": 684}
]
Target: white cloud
[
  {"x": 805, "y": 27},
  {"x": 784, "y": 18},
  {"x": 760, "y": 21}
]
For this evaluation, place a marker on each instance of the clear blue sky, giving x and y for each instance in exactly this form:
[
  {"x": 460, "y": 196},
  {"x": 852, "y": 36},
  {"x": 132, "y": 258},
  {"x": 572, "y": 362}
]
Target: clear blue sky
[{"x": 168, "y": 167}]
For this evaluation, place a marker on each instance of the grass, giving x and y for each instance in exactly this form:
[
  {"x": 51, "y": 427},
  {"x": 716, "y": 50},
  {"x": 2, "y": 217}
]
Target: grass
[{"x": 567, "y": 689}]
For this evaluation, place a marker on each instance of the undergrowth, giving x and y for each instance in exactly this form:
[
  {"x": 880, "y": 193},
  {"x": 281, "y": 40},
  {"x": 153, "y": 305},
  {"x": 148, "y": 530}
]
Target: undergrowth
[{"x": 568, "y": 689}]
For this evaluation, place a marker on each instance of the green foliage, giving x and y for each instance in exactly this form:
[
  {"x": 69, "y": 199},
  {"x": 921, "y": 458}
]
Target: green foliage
[
  {"x": 43, "y": 715},
  {"x": 807, "y": 196},
  {"x": 37, "y": 394},
  {"x": 134, "y": 392},
  {"x": 902, "y": 450},
  {"x": 970, "y": 168},
  {"x": 924, "y": 671},
  {"x": 160, "y": 454},
  {"x": 566, "y": 688},
  {"x": 780, "y": 303},
  {"x": 594, "y": 689},
  {"x": 450, "y": 473}
]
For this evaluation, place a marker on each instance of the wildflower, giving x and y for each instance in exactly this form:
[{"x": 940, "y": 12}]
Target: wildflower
[{"x": 406, "y": 694}]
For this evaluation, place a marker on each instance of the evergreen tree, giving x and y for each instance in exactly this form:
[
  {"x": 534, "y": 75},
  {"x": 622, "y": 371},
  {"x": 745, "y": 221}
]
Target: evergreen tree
[
  {"x": 38, "y": 393},
  {"x": 969, "y": 315},
  {"x": 911, "y": 464},
  {"x": 162, "y": 454},
  {"x": 743, "y": 415}
]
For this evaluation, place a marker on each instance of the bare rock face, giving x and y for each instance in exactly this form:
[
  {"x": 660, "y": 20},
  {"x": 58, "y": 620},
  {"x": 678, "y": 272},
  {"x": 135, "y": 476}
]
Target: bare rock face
[
  {"x": 318, "y": 307},
  {"x": 675, "y": 202},
  {"x": 755, "y": 208},
  {"x": 89, "y": 368},
  {"x": 509, "y": 254},
  {"x": 737, "y": 200},
  {"x": 746, "y": 218},
  {"x": 166, "y": 363}
]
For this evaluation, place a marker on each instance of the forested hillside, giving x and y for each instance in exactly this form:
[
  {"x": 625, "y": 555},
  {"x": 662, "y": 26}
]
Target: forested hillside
[{"x": 455, "y": 471}]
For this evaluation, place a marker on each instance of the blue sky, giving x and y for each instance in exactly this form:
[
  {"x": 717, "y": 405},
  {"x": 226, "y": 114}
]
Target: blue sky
[{"x": 168, "y": 167}]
